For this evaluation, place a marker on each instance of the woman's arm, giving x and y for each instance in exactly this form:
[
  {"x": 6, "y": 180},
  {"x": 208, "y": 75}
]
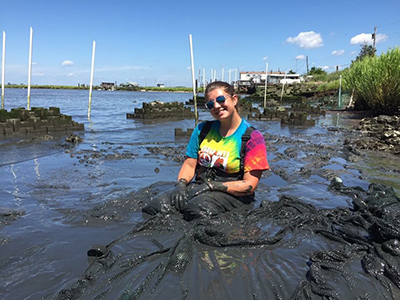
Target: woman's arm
[
  {"x": 188, "y": 169},
  {"x": 246, "y": 186}
]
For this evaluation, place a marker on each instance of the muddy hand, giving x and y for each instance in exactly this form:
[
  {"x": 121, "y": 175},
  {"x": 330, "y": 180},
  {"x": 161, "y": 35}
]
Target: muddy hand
[
  {"x": 179, "y": 195},
  {"x": 205, "y": 187}
]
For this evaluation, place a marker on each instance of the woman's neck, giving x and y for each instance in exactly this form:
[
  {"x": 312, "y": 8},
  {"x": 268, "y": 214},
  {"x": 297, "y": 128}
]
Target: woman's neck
[{"x": 229, "y": 126}]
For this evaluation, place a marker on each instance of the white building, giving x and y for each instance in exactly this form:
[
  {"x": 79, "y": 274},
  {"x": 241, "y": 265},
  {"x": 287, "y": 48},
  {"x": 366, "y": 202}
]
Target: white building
[
  {"x": 129, "y": 84},
  {"x": 273, "y": 77}
]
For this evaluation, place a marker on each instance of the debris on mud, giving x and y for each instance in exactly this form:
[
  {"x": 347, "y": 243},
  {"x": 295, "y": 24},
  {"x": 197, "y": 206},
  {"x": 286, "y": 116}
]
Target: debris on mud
[
  {"x": 73, "y": 138},
  {"x": 380, "y": 133},
  {"x": 304, "y": 253}
]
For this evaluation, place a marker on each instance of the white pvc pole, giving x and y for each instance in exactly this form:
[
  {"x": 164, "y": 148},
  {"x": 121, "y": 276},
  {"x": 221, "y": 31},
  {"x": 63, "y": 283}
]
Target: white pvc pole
[
  {"x": 283, "y": 86},
  {"x": 340, "y": 92},
  {"x": 193, "y": 79},
  {"x": 265, "y": 90},
  {"x": 229, "y": 80},
  {"x": 91, "y": 79},
  {"x": 215, "y": 75},
  {"x": 222, "y": 74},
  {"x": 204, "y": 79},
  {"x": 28, "y": 107},
  {"x": 3, "y": 69},
  {"x": 199, "y": 82}
]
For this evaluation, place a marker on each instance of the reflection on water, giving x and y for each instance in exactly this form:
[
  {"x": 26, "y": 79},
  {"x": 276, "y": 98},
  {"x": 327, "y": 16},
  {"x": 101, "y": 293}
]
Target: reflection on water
[
  {"x": 382, "y": 169},
  {"x": 54, "y": 183},
  {"x": 37, "y": 168},
  {"x": 16, "y": 191}
]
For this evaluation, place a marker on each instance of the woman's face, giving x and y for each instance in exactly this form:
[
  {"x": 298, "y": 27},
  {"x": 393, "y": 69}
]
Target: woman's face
[{"x": 224, "y": 110}]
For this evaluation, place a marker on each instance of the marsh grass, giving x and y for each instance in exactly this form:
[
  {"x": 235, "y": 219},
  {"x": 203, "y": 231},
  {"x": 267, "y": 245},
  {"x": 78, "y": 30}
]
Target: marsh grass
[
  {"x": 328, "y": 86},
  {"x": 376, "y": 81}
]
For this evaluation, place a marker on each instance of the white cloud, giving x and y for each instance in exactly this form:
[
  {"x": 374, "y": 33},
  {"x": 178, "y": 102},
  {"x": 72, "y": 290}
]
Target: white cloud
[
  {"x": 38, "y": 74},
  {"x": 338, "y": 52},
  {"x": 366, "y": 38},
  {"x": 265, "y": 57},
  {"x": 300, "y": 57},
  {"x": 325, "y": 68},
  {"x": 67, "y": 63},
  {"x": 361, "y": 38},
  {"x": 307, "y": 40},
  {"x": 380, "y": 37},
  {"x": 70, "y": 74},
  {"x": 353, "y": 52}
]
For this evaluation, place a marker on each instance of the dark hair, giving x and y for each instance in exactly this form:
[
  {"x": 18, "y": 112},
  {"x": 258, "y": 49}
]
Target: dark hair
[{"x": 229, "y": 89}]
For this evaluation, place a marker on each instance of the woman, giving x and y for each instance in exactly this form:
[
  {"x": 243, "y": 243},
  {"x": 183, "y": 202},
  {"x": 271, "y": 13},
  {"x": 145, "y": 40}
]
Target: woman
[{"x": 215, "y": 176}]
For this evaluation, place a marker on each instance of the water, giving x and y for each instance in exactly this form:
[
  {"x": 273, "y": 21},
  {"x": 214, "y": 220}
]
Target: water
[{"x": 48, "y": 186}]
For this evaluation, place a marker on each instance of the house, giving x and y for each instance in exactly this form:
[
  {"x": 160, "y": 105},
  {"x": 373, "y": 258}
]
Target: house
[
  {"x": 129, "y": 84},
  {"x": 108, "y": 85},
  {"x": 160, "y": 85},
  {"x": 285, "y": 78},
  {"x": 256, "y": 77},
  {"x": 272, "y": 78}
]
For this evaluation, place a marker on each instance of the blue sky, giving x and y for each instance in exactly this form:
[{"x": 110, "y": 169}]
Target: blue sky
[{"x": 148, "y": 41}]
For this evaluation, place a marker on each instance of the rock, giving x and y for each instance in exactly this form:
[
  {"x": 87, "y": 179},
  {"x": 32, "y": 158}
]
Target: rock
[
  {"x": 380, "y": 133},
  {"x": 73, "y": 138}
]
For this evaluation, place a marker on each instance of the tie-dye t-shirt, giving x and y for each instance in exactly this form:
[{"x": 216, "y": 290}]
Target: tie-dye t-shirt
[{"x": 220, "y": 152}]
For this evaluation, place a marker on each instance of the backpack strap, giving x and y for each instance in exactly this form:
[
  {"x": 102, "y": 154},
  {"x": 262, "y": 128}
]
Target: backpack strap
[
  {"x": 203, "y": 133},
  {"x": 245, "y": 138},
  {"x": 206, "y": 128}
]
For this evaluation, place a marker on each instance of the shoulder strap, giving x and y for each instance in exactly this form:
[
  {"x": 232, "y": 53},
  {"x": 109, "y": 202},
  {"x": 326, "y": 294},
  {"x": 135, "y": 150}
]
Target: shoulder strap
[
  {"x": 206, "y": 128},
  {"x": 245, "y": 138}
]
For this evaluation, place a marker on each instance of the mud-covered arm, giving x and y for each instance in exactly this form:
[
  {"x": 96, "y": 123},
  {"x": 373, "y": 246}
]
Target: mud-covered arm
[
  {"x": 188, "y": 170},
  {"x": 237, "y": 188},
  {"x": 246, "y": 186}
]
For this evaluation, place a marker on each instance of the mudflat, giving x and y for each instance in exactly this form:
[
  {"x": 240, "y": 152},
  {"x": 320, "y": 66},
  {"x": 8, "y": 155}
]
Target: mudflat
[{"x": 324, "y": 223}]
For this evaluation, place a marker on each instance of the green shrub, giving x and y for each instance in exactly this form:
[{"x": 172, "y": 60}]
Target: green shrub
[
  {"x": 329, "y": 86},
  {"x": 376, "y": 81}
]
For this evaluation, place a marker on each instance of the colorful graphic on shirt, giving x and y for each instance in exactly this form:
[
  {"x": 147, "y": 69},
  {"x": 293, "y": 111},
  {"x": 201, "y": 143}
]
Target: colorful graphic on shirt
[
  {"x": 205, "y": 159},
  {"x": 219, "y": 162},
  {"x": 224, "y": 152}
]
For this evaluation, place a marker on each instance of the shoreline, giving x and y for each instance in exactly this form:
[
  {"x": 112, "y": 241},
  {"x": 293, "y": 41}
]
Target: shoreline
[{"x": 66, "y": 87}]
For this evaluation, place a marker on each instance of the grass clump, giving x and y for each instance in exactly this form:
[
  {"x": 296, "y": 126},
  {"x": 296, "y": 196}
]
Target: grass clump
[{"x": 375, "y": 82}]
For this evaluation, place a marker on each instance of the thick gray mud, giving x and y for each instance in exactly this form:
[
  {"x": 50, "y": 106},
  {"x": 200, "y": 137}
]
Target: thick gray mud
[
  {"x": 281, "y": 250},
  {"x": 324, "y": 224}
]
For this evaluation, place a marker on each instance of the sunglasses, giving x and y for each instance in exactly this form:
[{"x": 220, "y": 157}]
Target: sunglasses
[{"x": 220, "y": 99}]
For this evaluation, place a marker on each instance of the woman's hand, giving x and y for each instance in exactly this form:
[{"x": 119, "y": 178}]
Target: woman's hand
[
  {"x": 207, "y": 186},
  {"x": 179, "y": 195}
]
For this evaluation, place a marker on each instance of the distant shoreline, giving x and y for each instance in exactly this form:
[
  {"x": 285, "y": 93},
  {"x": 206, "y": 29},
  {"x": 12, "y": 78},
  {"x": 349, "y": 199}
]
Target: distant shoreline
[{"x": 84, "y": 87}]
